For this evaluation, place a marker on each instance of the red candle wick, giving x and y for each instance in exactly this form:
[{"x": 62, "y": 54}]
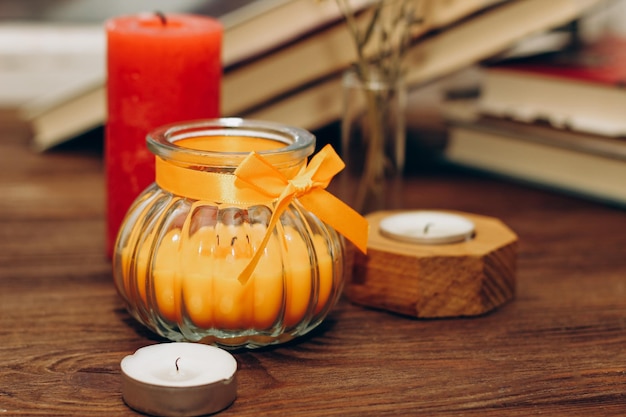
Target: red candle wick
[{"x": 161, "y": 17}]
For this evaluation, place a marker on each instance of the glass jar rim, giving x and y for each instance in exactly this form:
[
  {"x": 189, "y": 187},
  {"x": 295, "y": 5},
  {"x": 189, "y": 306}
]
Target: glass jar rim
[{"x": 162, "y": 141}]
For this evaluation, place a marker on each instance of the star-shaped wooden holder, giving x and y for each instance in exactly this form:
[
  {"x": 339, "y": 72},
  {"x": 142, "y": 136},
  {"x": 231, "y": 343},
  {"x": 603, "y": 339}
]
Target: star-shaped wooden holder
[{"x": 410, "y": 275}]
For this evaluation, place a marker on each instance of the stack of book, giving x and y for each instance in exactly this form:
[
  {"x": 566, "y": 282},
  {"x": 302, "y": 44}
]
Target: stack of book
[
  {"x": 283, "y": 59},
  {"x": 458, "y": 33},
  {"x": 554, "y": 120}
]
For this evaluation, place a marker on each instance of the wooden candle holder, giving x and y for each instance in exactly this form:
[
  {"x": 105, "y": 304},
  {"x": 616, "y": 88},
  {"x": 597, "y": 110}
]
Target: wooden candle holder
[{"x": 467, "y": 278}]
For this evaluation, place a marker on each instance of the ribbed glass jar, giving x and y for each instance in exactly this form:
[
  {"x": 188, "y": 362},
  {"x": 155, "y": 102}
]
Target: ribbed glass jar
[{"x": 186, "y": 240}]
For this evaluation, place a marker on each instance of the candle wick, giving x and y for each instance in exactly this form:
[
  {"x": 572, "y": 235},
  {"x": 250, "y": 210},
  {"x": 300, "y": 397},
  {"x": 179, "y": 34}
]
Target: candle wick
[
  {"x": 232, "y": 241},
  {"x": 176, "y": 364},
  {"x": 248, "y": 239},
  {"x": 161, "y": 17},
  {"x": 426, "y": 227}
]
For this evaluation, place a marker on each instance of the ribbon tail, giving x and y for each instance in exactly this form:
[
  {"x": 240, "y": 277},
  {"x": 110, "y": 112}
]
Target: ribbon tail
[
  {"x": 338, "y": 215},
  {"x": 283, "y": 203}
]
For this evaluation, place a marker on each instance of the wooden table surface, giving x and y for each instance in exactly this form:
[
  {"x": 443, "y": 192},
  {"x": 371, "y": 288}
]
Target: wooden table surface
[{"x": 559, "y": 348}]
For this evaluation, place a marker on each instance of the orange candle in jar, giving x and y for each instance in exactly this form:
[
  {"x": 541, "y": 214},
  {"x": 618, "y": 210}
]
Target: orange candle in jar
[
  {"x": 199, "y": 274},
  {"x": 299, "y": 283},
  {"x": 201, "y": 279},
  {"x": 268, "y": 280},
  {"x": 166, "y": 280},
  {"x": 325, "y": 267},
  {"x": 230, "y": 144},
  {"x": 243, "y": 291},
  {"x": 206, "y": 284}
]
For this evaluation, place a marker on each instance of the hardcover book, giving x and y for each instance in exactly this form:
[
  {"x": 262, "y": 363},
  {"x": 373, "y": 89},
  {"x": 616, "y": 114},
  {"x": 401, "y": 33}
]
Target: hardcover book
[
  {"x": 588, "y": 165},
  {"x": 467, "y": 41},
  {"x": 582, "y": 88}
]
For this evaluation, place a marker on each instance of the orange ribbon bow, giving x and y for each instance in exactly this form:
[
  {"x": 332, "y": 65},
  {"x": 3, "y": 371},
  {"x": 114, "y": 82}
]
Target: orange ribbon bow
[
  {"x": 309, "y": 187},
  {"x": 256, "y": 181}
]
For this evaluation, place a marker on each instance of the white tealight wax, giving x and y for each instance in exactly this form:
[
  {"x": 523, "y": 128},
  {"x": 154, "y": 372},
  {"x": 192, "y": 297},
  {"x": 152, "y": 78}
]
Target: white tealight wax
[
  {"x": 427, "y": 227},
  {"x": 179, "y": 379}
]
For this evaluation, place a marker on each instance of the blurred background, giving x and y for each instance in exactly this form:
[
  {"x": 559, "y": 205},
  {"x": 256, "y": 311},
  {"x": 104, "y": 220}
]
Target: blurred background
[
  {"x": 37, "y": 62},
  {"x": 36, "y": 58},
  {"x": 92, "y": 11},
  {"x": 33, "y": 37}
]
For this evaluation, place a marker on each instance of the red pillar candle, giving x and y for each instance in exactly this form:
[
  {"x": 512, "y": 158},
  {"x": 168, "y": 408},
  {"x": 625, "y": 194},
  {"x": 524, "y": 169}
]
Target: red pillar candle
[{"x": 161, "y": 69}]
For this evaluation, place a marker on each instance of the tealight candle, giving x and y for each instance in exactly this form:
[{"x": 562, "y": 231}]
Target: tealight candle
[
  {"x": 427, "y": 227},
  {"x": 179, "y": 379}
]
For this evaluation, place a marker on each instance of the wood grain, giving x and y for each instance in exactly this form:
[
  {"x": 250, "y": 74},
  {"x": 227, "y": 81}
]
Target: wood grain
[{"x": 557, "y": 349}]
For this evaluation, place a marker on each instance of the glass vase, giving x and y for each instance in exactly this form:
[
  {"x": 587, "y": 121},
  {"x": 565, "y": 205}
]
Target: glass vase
[
  {"x": 199, "y": 259},
  {"x": 373, "y": 139}
]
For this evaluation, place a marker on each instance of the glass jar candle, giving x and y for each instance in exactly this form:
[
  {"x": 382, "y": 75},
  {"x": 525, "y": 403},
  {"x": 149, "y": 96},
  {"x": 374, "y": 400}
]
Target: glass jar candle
[{"x": 223, "y": 248}]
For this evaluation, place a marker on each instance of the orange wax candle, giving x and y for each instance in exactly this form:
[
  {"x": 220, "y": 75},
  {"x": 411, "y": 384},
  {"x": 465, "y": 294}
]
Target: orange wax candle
[
  {"x": 160, "y": 70},
  {"x": 200, "y": 276},
  {"x": 230, "y": 143},
  {"x": 325, "y": 267},
  {"x": 267, "y": 281},
  {"x": 167, "y": 282},
  {"x": 298, "y": 285}
]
